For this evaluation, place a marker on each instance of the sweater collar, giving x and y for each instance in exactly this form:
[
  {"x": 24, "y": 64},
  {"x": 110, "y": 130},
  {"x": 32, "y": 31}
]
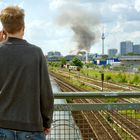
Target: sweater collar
[{"x": 15, "y": 40}]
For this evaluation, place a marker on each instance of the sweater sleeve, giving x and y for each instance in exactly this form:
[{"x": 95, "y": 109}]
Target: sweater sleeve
[{"x": 46, "y": 96}]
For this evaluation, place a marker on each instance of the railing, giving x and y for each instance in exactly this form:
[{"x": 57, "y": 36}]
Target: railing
[{"x": 90, "y": 116}]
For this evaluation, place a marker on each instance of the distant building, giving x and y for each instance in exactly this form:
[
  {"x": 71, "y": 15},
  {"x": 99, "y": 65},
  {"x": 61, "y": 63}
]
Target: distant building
[
  {"x": 109, "y": 61},
  {"x": 126, "y": 47},
  {"x": 85, "y": 56},
  {"x": 136, "y": 49},
  {"x": 112, "y": 52},
  {"x": 69, "y": 57},
  {"x": 55, "y": 53},
  {"x": 54, "y": 56},
  {"x": 130, "y": 60},
  {"x": 50, "y": 54}
]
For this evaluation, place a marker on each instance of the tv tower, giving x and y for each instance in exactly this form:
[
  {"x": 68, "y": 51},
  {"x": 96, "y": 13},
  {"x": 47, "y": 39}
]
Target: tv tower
[{"x": 103, "y": 38}]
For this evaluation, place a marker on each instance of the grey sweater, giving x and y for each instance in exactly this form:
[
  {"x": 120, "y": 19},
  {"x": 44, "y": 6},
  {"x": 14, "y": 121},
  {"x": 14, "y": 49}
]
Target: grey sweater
[{"x": 26, "y": 99}]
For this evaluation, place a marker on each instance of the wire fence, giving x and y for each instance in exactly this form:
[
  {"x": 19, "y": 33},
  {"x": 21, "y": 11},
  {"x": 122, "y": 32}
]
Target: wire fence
[{"x": 95, "y": 121}]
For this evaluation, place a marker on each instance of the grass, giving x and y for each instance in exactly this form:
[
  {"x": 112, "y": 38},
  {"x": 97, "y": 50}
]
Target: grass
[
  {"x": 119, "y": 77},
  {"x": 131, "y": 113}
]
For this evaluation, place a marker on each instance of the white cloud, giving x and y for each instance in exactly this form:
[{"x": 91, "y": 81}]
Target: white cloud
[
  {"x": 48, "y": 36},
  {"x": 2, "y": 5},
  {"x": 119, "y": 7},
  {"x": 55, "y": 4},
  {"x": 21, "y": 4},
  {"x": 121, "y": 19},
  {"x": 137, "y": 5}
]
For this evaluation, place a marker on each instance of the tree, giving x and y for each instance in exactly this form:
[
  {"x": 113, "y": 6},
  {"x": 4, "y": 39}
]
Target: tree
[
  {"x": 139, "y": 68},
  {"x": 63, "y": 61},
  {"x": 76, "y": 62}
]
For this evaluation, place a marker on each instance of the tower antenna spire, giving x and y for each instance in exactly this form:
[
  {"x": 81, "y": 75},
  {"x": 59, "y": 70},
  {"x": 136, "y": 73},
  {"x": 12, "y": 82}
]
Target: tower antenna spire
[{"x": 103, "y": 38}]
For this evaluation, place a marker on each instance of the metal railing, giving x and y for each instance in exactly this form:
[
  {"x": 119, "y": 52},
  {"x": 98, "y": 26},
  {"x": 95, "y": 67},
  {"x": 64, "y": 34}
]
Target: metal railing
[{"x": 96, "y": 116}]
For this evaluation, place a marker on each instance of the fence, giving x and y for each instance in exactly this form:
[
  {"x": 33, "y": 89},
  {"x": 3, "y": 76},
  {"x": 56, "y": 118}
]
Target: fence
[{"x": 96, "y": 116}]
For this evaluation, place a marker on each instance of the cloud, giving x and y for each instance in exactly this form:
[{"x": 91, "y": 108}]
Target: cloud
[
  {"x": 2, "y": 4},
  {"x": 55, "y": 4},
  {"x": 120, "y": 18},
  {"x": 21, "y": 4},
  {"x": 119, "y": 7},
  {"x": 43, "y": 30},
  {"x": 137, "y": 5}
]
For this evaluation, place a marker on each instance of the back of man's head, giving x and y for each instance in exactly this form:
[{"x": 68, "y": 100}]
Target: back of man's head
[{"x": 12, "y": 19}]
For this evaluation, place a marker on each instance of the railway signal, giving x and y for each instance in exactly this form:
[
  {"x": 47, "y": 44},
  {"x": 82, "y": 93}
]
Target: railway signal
[{"x": 102, "y": 79}]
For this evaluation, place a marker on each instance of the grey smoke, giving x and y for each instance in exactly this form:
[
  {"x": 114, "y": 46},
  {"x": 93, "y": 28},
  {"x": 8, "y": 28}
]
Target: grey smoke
[
  {"x": 83, "y": 23},
  {"x": 84, "y": 37}
]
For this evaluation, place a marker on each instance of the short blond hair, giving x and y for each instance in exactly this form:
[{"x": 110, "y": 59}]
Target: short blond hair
[{"x": 12, "y": 19}]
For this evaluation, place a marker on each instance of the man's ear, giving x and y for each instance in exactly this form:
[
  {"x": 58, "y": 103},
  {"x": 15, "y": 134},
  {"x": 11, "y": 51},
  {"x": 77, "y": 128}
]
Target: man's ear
[
  {"x": 23, "y": 28},
  {"x": 3, "y": 35}
]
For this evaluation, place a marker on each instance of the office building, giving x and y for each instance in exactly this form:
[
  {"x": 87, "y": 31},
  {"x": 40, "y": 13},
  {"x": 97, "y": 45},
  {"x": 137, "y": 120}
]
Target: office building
[
  {"x": 55, "y": 53},
  {"x": 112, "y": 52},
  {"x": 54, "y": 56},
  {"x": 126, "y": 47},
  {"x": 136, "y": 49}
]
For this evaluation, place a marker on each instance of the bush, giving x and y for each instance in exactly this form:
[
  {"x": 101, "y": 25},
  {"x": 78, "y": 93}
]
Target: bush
[
  {"x": 108, "y": 77},
  {"x": 121, "y": 78},
  {"x": 76, "y": 62},
  {"x": 136, "y": 79}
]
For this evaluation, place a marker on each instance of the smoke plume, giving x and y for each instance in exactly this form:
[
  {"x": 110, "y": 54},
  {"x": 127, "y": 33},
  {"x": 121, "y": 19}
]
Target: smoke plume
[{"x": 83, "y": 23}]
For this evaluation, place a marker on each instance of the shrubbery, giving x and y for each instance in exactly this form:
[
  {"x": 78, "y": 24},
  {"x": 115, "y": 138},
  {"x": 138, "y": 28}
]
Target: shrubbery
[
  {"x": 121, "y": 78},
  {"x": 108, "y": 77}
]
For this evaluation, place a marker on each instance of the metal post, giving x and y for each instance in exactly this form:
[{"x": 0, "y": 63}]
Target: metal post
[{"x": 102, "y": 78}]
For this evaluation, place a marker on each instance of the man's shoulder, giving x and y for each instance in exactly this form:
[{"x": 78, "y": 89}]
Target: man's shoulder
[
  {"x": 34, "y": 47},
  {"x": 2, "y": 44}
]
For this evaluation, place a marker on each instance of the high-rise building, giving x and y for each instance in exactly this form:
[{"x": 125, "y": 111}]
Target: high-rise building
[
  {"x": 54, "y": 56},
  {"x": 126, "y": 47},
  {"x": 136, "y": 49},
  {"x": 51, "y": 53},
  {"x": 57, "y": 53},
  {"x": 112, "y": 52}
]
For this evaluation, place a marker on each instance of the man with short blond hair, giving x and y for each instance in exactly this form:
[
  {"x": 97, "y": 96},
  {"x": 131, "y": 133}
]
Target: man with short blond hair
[{"x": 26, "y": 99}]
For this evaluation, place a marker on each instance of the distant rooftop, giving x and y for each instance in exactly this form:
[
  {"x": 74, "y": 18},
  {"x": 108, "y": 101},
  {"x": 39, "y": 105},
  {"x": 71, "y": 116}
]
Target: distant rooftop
[{"x": 130, "y": 57}]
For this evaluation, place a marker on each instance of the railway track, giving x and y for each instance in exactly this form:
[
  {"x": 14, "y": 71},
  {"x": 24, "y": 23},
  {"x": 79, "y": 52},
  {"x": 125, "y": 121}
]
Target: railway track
[
  {"x": 97, "y": 84},
  {"x": 102, "y": 129},
  {"x": 129, "y": 125},
  {"x": 99, "y": 125},
  {"x": 121, "y": 85}
]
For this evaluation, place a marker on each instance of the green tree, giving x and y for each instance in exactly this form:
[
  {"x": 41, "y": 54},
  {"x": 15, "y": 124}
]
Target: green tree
[
  {"x": 139, "y": 68},
  {"x": 76, "y": 62},
  {"x": 63, "y": 61}
]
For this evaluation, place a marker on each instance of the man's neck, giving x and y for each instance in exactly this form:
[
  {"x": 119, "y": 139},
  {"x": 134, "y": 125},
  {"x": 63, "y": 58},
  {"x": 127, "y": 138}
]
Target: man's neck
[{"x": 16, "y": 35}]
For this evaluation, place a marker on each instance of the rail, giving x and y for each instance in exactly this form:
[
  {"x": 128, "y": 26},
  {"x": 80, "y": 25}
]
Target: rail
[
  {"x": 95, "y": 116},
  {"x": 66, "y": 95}
]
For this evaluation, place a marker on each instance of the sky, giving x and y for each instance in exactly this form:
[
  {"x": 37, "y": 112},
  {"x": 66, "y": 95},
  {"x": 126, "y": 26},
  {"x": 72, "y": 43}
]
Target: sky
[{"x": 119, "y": 19}]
